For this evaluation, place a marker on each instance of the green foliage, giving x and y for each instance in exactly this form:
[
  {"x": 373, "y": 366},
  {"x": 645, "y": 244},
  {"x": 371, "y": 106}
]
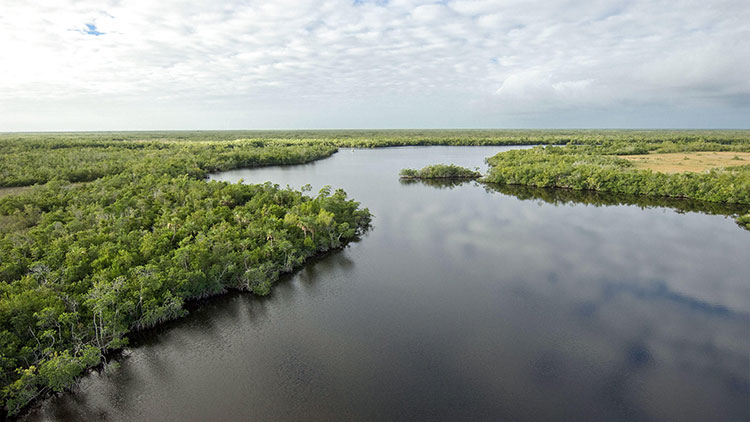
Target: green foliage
[
  {"x": 593, "y": 168},
  {"x": 440, "y": 171},
  {"x": 84, "y": 264},
  {"x": 126, "y": 251},
  {"x": 121, "y": 230},
  {"x": 744, "y": 221},
  {"x": 409, "y": 173},
  {"x": 30, "y": 158}
]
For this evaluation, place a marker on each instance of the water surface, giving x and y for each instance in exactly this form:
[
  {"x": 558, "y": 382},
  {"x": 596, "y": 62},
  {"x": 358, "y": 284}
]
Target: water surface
[{"x": 462, "y": 303}]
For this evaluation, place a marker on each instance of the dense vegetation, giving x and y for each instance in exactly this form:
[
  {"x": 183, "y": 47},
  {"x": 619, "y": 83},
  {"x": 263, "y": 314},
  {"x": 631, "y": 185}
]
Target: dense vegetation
[
  {"x": 28, "y": 158},
  {"x": 440, "y": 171},
  {"x": 83, "y": 264},
  {"x": 744, "y": 221},
  {"x": 120, "y": 229},
  {"x": 28, "y": 161},
  {"x": 598, "y": 168}
]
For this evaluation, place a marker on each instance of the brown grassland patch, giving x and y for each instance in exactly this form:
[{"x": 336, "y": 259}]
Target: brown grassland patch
[
  {"x": 13, "y": 190},
  {"x": 681, "y": 162}
]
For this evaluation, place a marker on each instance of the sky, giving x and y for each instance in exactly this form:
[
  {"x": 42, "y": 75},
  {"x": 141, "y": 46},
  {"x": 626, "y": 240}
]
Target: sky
[{"x": 146, "y": 65}]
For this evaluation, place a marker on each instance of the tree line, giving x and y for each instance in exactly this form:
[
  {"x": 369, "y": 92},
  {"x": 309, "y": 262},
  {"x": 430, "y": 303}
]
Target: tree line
[{"x": 586, "y": 167}]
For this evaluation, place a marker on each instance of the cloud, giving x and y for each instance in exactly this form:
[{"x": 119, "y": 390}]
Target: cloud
[
  {"x": 702, "y": 69},
  {"x": 468, "y": 58},
  {"x": 533, "y": 88}
]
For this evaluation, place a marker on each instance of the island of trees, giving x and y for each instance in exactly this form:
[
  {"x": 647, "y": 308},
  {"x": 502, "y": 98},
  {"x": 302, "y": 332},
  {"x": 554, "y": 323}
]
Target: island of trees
[{"x": 440, "y": 171}]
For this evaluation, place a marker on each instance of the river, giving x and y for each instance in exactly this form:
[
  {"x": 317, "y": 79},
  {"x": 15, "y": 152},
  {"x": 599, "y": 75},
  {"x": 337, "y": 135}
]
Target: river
[{"x": 461, "y": 303}]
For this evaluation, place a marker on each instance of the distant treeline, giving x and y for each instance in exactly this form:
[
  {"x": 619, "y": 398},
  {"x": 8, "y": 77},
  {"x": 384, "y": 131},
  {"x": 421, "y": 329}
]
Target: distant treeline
[
  {"x": 30, "y": 158},
  {"x": 362, "y": 137},
  {"x": 32, "y": 161}
]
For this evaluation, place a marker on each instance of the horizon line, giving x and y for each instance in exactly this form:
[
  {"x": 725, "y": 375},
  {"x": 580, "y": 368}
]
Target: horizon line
[{"x": 380, "y": 129}]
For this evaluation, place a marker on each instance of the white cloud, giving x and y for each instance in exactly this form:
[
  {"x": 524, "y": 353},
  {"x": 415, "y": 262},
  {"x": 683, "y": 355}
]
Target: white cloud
[
  {"x": 535, "y": 89},
  {"x": 181, "y": 59}
]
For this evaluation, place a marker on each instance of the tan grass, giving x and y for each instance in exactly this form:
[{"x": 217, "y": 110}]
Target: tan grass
[
  {"x": 681, "y": 162},
  {"x": 13, "y": 190}
]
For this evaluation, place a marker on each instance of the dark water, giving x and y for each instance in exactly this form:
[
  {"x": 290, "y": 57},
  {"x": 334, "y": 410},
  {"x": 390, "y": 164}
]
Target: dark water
[{"x": 462, "y": 303}]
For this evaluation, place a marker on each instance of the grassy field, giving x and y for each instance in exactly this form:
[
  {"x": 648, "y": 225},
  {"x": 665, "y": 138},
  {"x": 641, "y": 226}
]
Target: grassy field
[
  {"x": 4, "y": 191},
  {"x": 694, "y": 162}
]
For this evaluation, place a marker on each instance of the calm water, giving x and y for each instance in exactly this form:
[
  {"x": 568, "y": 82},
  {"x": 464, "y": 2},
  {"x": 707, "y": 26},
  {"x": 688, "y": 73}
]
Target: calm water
[{"x": 461, "y": 303}]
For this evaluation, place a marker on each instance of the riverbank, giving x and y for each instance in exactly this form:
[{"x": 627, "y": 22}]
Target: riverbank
[{"x": 602, "y": 169}]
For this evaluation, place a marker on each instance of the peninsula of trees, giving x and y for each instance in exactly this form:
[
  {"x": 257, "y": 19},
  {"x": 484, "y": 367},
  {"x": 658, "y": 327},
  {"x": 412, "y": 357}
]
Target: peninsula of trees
[
  {"x": 605, "y": 168},
  {"x": 137, "y": 235}
]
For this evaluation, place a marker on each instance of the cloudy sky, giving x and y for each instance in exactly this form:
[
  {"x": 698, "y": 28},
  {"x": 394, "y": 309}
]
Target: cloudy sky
[{"x": 143, "y": 64}]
